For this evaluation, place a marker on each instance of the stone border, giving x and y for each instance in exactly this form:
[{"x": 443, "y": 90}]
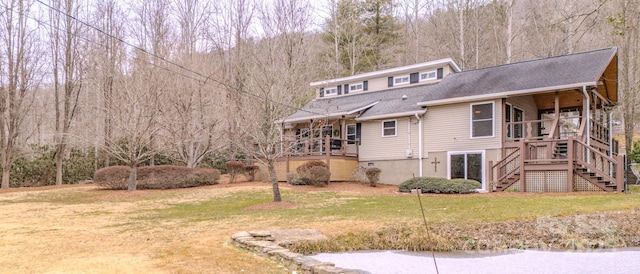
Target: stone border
[{"x": 272, "y": 244}]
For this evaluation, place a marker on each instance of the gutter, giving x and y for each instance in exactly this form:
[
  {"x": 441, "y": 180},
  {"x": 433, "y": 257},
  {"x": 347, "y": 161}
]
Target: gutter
[
  {"x": 504, "y": 94},
  {"x": 392, "y": 115}
]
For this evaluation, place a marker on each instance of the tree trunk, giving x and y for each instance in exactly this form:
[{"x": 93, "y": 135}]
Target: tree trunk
[
  {"x": 133, "y": 178},
  {"x": 5, "y": 177},
  {"x": 59, "y": 162},
  {"x": 6, "y": 172},
  {"x": 274, "y": 181}
]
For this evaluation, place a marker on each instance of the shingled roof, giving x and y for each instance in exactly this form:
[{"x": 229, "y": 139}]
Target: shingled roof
[
  {"x": 553, "y": 73},
  {"x": 528, "y": 77}
]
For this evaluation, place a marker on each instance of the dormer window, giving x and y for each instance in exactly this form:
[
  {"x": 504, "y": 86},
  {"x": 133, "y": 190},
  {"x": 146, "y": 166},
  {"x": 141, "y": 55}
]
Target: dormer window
[
  {"x": 330, "y": 91},
  {"x": 355, "y": 87},
  {"x": 430, "y": 75},
  {"x": 401, "y": 80}
]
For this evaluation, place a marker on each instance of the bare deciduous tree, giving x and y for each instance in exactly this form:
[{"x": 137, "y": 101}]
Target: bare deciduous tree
[{"x": 19, "y": 75}]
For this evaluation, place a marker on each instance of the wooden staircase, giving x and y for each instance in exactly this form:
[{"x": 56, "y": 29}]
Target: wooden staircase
[
  {"x": 595, "y": 178},
  {"x": 573, "y": 156}
]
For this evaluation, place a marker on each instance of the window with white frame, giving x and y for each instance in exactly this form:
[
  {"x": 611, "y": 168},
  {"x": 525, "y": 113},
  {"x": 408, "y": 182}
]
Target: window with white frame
[
  {"x": 429, "y": 75},
  {"x": 389, "y": 128},
  {"x": 351, "y": 134},
  {"x": 355, "y": 87},
  {"x": 482, "y": 120},
  {"x": 330, "y": 91},
  {"x": 401, "y": 80}
]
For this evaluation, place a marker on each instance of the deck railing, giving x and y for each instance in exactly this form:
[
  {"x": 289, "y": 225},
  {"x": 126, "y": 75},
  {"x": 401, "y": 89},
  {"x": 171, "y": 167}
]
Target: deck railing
[
  {"x": 320, "y": 147},
  {"x": 533, "y": 154}
]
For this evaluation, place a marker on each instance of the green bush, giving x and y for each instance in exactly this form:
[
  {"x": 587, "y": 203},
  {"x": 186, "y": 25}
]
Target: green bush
[
  {"x": 38, "y": 167},
  {"x": 440, "y": 185},
  {"x": 300, "y": 181},
  {"x": 156, "y": 177},
  {"x": 319, "y": 175},
  {"x": 373, "y": 175}
]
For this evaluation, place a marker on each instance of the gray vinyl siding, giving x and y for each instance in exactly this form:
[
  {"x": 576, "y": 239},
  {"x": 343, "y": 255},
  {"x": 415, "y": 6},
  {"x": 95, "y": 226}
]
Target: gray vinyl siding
[
  {"x": 376, "y": 147},
  {"x": 448, "y": 128}
]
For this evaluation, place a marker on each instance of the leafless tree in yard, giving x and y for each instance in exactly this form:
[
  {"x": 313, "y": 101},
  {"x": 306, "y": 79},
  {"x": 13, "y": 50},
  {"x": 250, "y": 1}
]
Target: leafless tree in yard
[
  {"x": 626, "y": 34},
  {"x": 230, "y": 34},
  {"x": 134, "y": 123},
  {"x": 279, "y": 66},
  {"x": 154, "y": 32},
  {"x": 67, "y": 51},
  {"x": 107, "y": 57},
  {"x": 191, "y": 119},
  {"x": 20, "y": 74}
]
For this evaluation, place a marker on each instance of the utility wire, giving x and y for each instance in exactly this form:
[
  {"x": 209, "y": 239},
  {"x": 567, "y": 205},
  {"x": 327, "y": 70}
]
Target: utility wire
[
  {"x": 426, "y": 226},
  {"x": 172, "y": 63}
]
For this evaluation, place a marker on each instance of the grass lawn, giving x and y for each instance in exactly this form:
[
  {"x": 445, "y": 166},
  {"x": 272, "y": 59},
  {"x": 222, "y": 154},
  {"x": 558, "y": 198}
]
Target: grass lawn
[{"x": 86, "y": 229}]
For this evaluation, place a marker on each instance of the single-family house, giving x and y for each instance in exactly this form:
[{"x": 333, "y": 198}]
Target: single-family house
[{"x": 539, "y": 125}]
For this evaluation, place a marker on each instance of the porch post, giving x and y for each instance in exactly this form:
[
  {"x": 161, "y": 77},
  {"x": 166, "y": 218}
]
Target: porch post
[
  {"x": 556, "y": 115},
  {"x": 570, "y": 160},
  {"x": 523, "y": 155},
  {"x": 505, "y": 130},
  {"x": 311, "y": 134},
  {"x": 343, "y": 136},
  {"x": 327, "y": 149}
]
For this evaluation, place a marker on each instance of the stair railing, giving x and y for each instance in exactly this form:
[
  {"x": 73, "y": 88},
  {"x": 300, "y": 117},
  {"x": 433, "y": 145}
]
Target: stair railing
[
  {"x": 609, "y": 168},
  {"x": 507, "y": 167}
]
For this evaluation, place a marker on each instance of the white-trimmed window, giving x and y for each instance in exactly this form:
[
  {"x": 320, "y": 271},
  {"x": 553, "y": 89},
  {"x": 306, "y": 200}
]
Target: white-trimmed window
[
  {"x": 330, "y": 91},
  {"x": 389, "y": 128},
  {"x": 400, "y": 80},
  {"x": 351, "y": 134},
  {"x": 355, "y": 87},
  {"x": 482, "y": 120},
  {"x": 429, "y": 75}
]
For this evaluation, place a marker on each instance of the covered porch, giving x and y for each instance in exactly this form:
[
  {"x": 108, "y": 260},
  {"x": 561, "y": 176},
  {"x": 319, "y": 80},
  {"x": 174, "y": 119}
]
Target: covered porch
[
  {"x": 334, "y": 141},
  {"x": 567, "y": 147}
]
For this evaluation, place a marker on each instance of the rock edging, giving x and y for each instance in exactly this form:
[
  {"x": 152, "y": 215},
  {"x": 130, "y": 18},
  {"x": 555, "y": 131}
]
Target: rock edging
[{"x": 272, "y": 244}]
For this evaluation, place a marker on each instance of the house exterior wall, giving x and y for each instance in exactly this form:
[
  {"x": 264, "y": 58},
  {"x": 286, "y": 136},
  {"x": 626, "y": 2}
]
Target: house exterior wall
[
  {"x": 394, "y": 172},
  {"x": 376, "y": 147},
  {"x": 527, "y": 104},
  {"x": 448, "y": 128}
]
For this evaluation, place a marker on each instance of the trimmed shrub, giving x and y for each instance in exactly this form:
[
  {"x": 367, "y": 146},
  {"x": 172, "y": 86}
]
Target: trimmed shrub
[
  {"x": 114, "y": 177},
  {"x": 359, "y": 175},
  {"x": 300, "y": 181},
  {"x": 440, "y": 185},
  {"x": 156, "y": 177},
  {"x": 373, "y": 174},
  {"x": 291, "y": 176},
  {"x": 304, "y": 169},
  {"x": 234, "y": 168},
  {"x": 319, "y": 175},
  {"x": 250, "y": 172}
]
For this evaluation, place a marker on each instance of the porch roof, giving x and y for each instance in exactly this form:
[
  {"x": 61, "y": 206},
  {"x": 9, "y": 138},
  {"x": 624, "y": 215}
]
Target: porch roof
[
  {"x": 366, "y": 106},
  {"x": 536, "y": 76}
]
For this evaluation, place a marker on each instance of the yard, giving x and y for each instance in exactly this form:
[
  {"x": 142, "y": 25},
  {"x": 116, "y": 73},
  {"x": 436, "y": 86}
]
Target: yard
[{"x": 82, "y": 228}]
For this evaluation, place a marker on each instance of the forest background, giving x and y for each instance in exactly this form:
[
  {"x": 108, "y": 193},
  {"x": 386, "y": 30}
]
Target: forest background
[{"x": 90, "y": 84}]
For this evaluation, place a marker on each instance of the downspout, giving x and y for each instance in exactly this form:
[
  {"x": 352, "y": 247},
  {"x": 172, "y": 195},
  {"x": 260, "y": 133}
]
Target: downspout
[
  {"x": 587, "y": 121},
  {"x": 588, "y": 115},
  {"x": 420, "y": 141}
]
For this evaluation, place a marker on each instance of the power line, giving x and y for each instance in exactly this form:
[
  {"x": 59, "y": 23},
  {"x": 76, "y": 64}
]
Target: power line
[{"x": 171, "y": 62}]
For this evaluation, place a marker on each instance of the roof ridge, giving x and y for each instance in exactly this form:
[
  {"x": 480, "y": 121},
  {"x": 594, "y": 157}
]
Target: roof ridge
[{"x": 536, "y": 60}]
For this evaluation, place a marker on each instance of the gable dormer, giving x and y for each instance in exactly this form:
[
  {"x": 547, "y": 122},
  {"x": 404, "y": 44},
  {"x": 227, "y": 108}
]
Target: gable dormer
[{"x": 423, "y": 73}]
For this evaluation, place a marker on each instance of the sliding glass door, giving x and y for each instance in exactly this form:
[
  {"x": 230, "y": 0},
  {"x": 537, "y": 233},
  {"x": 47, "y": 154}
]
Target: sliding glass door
[{"x": 466, "y": 165}]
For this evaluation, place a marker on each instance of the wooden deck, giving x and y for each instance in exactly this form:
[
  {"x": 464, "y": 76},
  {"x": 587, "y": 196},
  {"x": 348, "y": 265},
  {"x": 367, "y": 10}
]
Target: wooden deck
[{"x": 340, "y": 154}]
